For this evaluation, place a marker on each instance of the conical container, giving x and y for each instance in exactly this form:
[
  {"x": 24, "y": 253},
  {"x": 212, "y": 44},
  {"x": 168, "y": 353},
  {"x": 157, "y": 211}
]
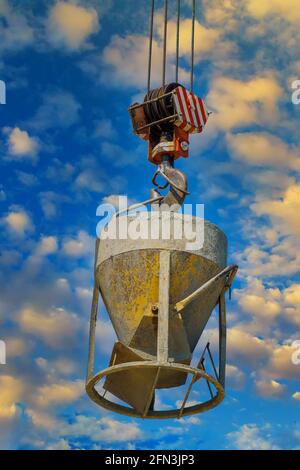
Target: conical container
[{"x": 128, "y": 272}]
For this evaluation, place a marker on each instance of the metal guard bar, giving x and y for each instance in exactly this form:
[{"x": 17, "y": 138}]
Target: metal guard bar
[
  {"x": 92, "y": 381},
  {"x": 230, "y": 270}
]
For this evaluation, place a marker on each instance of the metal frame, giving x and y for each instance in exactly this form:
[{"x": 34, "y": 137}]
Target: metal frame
[
  {"x": 153, "y": 100},
  {"x": 154, "y": 123},
  {"x": 157, "y": 414},
  {"x": 162, "y": 361}
]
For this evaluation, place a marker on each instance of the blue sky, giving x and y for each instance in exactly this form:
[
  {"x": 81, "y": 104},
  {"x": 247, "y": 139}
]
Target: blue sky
[{"x": 71, "y": 71}]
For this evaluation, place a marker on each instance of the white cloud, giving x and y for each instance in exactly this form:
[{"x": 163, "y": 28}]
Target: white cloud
[
  {"x": 47, "y": 246},
  {"x": 2, "y": 195},
  {"x": 71, "y": 25},
  {"x": 270, "y": 388},
  {"x": 82, "y": 245},
  {"x": 126, "y": 57},
  {"x": 10, "y": 257},
  {"x": 21, "y": 145},
  {"x": 256, "y": 260},
  {"x": 292, "y": 303},
  {"x": 284, "y": 212},
  {"x": 60, "y": 171},
  {"x": 28, "y": 179},
  {"x": 102, "y": 430},
  {"x": 50, "y": 202},
  {"x": 16, "y": 347},
  {"x": 62, "y": 444},
  {"x": 105, "y": 128},
  {"x": 106, "y": 336},
  {"x": 251, "y": 437},
  {"x": 261, "y": 149},
  {"x": 113, "y": 199},
  {"x": 56, "y": 327},
  {"x": 42, "y": 420},
  {"x": 262, "y": 304},
  {"x": 259, "y": 305},
  {"x": 15, "y": 31},
  {"x": 125, "y": 61},
  {"x": 274, "y": 248},
  {"x": 239, "y": 103},
  {"x": 244, "y": 348},
  {"x": 18, "y": 222},
  {"x": 61, "y": 365},
  {"x": 287, "y": 9},
  {"x": 221, "y": 12},
  {"x": 88, "y": 180},
  {"x": 235, "y": 377},
  {"x": 296, "y": 396},
  {"x": 59, "y": 393},
  {"x": 11, "y": 392},
  {"x": 59, "y": 110},
  {"x": 281, "y": 365}
]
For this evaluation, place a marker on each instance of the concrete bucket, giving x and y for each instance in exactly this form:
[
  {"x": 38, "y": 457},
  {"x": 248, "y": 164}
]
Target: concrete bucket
[{"x": 159, "y": 293}]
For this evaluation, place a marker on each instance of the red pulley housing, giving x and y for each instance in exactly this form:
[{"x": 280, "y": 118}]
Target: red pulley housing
[{"x": 166, "y": 118}]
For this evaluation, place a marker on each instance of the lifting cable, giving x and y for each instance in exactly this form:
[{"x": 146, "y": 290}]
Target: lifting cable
[
  {"x": 193, "y": 45},
  {"x": 177, "y": 40},
  {"x": 150, "y": 44},
  {"x": 165, "y": 34},
  {"x": 165, "y": 44}
]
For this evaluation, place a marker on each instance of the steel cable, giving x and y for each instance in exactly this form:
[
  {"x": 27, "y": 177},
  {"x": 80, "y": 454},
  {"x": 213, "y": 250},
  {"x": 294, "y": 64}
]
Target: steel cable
[
  {"x": 165, "y": 34},
  {"x": 150, "y": 44},
  {"x": 177, "y": 40},
  {"x": 193, "y": 44},
  {"x": 165, "y": 44}
]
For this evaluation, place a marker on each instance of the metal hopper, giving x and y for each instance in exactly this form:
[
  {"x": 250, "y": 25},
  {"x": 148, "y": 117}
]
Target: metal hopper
[{"x": 141, "y": 282}]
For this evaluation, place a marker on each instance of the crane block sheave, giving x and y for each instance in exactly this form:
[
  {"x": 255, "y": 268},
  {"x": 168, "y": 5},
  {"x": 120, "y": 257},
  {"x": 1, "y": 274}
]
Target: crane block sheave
[{"x": 166, "y": 118}]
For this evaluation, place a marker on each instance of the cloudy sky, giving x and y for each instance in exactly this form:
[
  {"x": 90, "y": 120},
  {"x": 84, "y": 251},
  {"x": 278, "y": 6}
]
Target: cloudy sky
[{"x": 71, "y": 70}]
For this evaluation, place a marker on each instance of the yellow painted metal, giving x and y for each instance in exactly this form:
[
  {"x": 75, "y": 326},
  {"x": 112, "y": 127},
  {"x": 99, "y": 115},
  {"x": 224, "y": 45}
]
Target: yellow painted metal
[
  {"x": 129, "y": 283},
  {"x": 128, "y": 275}
]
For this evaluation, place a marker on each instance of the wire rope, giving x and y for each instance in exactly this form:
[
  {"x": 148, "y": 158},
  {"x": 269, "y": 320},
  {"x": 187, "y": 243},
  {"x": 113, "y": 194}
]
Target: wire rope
[
  {"x": 193, "y": 44},
  {"x": 165, "y": 44},
  {"x": 150, "y": 43}
]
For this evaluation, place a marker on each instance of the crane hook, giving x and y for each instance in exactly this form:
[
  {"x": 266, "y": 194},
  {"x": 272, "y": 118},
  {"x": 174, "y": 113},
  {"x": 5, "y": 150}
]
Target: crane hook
[{"x": 177, "y": 181}]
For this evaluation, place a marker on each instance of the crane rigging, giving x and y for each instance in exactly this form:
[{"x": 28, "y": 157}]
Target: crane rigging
[
  {"x": 169, "y": 114},
  {"x": 160, "y": 292}
]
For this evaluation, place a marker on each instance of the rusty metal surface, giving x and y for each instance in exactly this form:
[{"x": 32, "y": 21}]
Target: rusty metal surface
[
  {"x": 140, "y": 289},
  {"x": 134, "y": 385},
  {"x": 145, "y": 339},
  {"x": 155, "y": 414},
  {"x": 226, "y": 273},
  {"x": 129, "y": 283},
  {"x": 163, "y": 307}
]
